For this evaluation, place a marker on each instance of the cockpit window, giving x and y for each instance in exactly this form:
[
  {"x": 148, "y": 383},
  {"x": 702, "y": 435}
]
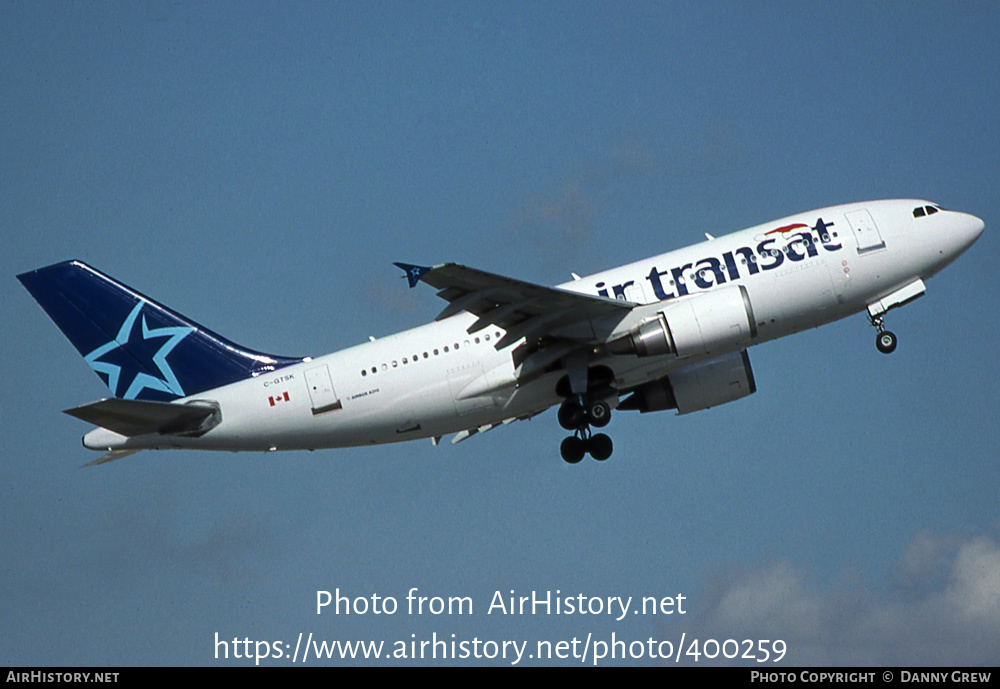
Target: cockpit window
[
  {"x": 918, "y": 212},
  {"x": 931, "y": 210},
  {"x": 921, "y": 211}
]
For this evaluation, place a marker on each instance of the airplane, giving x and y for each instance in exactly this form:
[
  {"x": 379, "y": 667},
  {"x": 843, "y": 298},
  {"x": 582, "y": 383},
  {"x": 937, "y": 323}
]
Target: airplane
[{"x": 670, "y": 332}]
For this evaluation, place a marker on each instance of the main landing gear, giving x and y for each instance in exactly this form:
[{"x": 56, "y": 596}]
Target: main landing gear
[
  {"x": 585, "y": 391},
  {"x": 885, "y": 341},
  {"x": 576, "y": 446},
  {"x": 578, "y": 415}
]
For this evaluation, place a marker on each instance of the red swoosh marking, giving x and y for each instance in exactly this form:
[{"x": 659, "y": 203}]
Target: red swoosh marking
[{"x": 786, "y": 228}]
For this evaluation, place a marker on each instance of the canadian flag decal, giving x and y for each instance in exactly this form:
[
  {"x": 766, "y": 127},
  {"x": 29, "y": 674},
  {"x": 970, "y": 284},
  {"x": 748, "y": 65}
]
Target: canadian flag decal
[{"x": 280, "y": 398}]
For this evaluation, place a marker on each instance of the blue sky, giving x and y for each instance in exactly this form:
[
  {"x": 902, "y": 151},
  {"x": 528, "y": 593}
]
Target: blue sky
[{"x": 259, "y": 166}]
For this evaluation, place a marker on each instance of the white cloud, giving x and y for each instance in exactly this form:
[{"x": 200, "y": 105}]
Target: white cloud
[
  {"x": 943, "y": 610},
  {"x": 974, "y": 589}
]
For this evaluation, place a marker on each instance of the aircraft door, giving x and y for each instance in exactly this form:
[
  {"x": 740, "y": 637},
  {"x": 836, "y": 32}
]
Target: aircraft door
[
  {"x": 321, "y": 391},
  {"x": 865, "y": 231},
  {"x": 634, "y": 293},
  {"x": 630, "y": 292}
]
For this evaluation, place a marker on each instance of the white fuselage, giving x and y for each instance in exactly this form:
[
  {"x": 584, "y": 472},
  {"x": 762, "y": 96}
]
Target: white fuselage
[{"x": 799, "y": 272}]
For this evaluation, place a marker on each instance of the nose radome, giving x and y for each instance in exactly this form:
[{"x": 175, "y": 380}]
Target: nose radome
[
  {"x": 972, "y": 227},
  {"x": 977, "y": 226}
]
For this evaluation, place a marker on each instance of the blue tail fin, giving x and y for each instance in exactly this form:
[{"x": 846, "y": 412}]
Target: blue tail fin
[{"x": 140, "y": 349}]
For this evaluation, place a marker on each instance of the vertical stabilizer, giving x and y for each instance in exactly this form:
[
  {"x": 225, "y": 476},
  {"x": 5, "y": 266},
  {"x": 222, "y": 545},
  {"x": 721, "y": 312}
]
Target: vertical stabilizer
[{"x": 139, "y": 348}]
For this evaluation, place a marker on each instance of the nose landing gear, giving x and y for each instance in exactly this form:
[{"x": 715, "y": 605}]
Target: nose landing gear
[{"x": 885, "y": 341}]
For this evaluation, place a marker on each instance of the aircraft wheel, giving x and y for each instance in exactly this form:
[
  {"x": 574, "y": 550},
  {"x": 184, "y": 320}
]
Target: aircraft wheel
[
  {"x": 885, "y": 342},
  {"x": 571, "y": 416},
  {"x": 600, "y": 447},
  {"x": 572, "y": 449},
  {"x": 599, "y": 414}
]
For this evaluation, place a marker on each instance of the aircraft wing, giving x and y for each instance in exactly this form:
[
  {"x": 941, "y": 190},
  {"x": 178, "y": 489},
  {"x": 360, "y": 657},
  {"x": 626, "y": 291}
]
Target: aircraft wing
[
  {"x": 139, "y": 417},
  {"x": 522, "y": 309}
]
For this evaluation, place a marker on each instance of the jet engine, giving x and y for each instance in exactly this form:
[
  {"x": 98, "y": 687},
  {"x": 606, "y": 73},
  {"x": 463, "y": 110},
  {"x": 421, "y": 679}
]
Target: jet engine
[
  {"x": 705, "y": 323},
  {"x": 705, "y": 384}
]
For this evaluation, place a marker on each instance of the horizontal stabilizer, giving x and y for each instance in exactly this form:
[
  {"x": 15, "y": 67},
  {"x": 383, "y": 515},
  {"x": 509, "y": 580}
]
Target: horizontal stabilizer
[{"x": 140, "y": 417}]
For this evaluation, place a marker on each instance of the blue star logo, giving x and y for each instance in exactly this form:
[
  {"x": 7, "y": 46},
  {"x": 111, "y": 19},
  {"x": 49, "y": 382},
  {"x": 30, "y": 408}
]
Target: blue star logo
[
  {"x": 136, "y": 351},
  {"x": 412, "y": 273}
]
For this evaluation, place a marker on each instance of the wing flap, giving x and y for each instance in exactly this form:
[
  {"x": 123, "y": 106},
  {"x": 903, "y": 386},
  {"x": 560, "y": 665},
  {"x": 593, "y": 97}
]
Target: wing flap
[
  {"x": 141, "y": 417},
  {"x": 468, "y": 433},
  {"x": 110, "y": 457}
]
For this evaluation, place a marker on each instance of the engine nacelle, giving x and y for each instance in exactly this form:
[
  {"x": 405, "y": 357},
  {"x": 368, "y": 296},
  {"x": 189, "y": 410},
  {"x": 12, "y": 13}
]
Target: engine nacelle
[
  {"x": 699, "y": 386},
  {"x": 706, "y": 323}
]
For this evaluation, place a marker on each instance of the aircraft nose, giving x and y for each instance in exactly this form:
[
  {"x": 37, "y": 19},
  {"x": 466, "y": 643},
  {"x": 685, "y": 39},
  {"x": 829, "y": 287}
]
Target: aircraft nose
[
  {"x": 978, "y": 226},
  {"x": 971, "y": 228}
]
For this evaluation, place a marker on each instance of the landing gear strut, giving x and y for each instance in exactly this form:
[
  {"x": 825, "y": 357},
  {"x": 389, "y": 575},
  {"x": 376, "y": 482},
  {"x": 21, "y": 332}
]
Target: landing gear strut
[{"x": 885, "y": 341}]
